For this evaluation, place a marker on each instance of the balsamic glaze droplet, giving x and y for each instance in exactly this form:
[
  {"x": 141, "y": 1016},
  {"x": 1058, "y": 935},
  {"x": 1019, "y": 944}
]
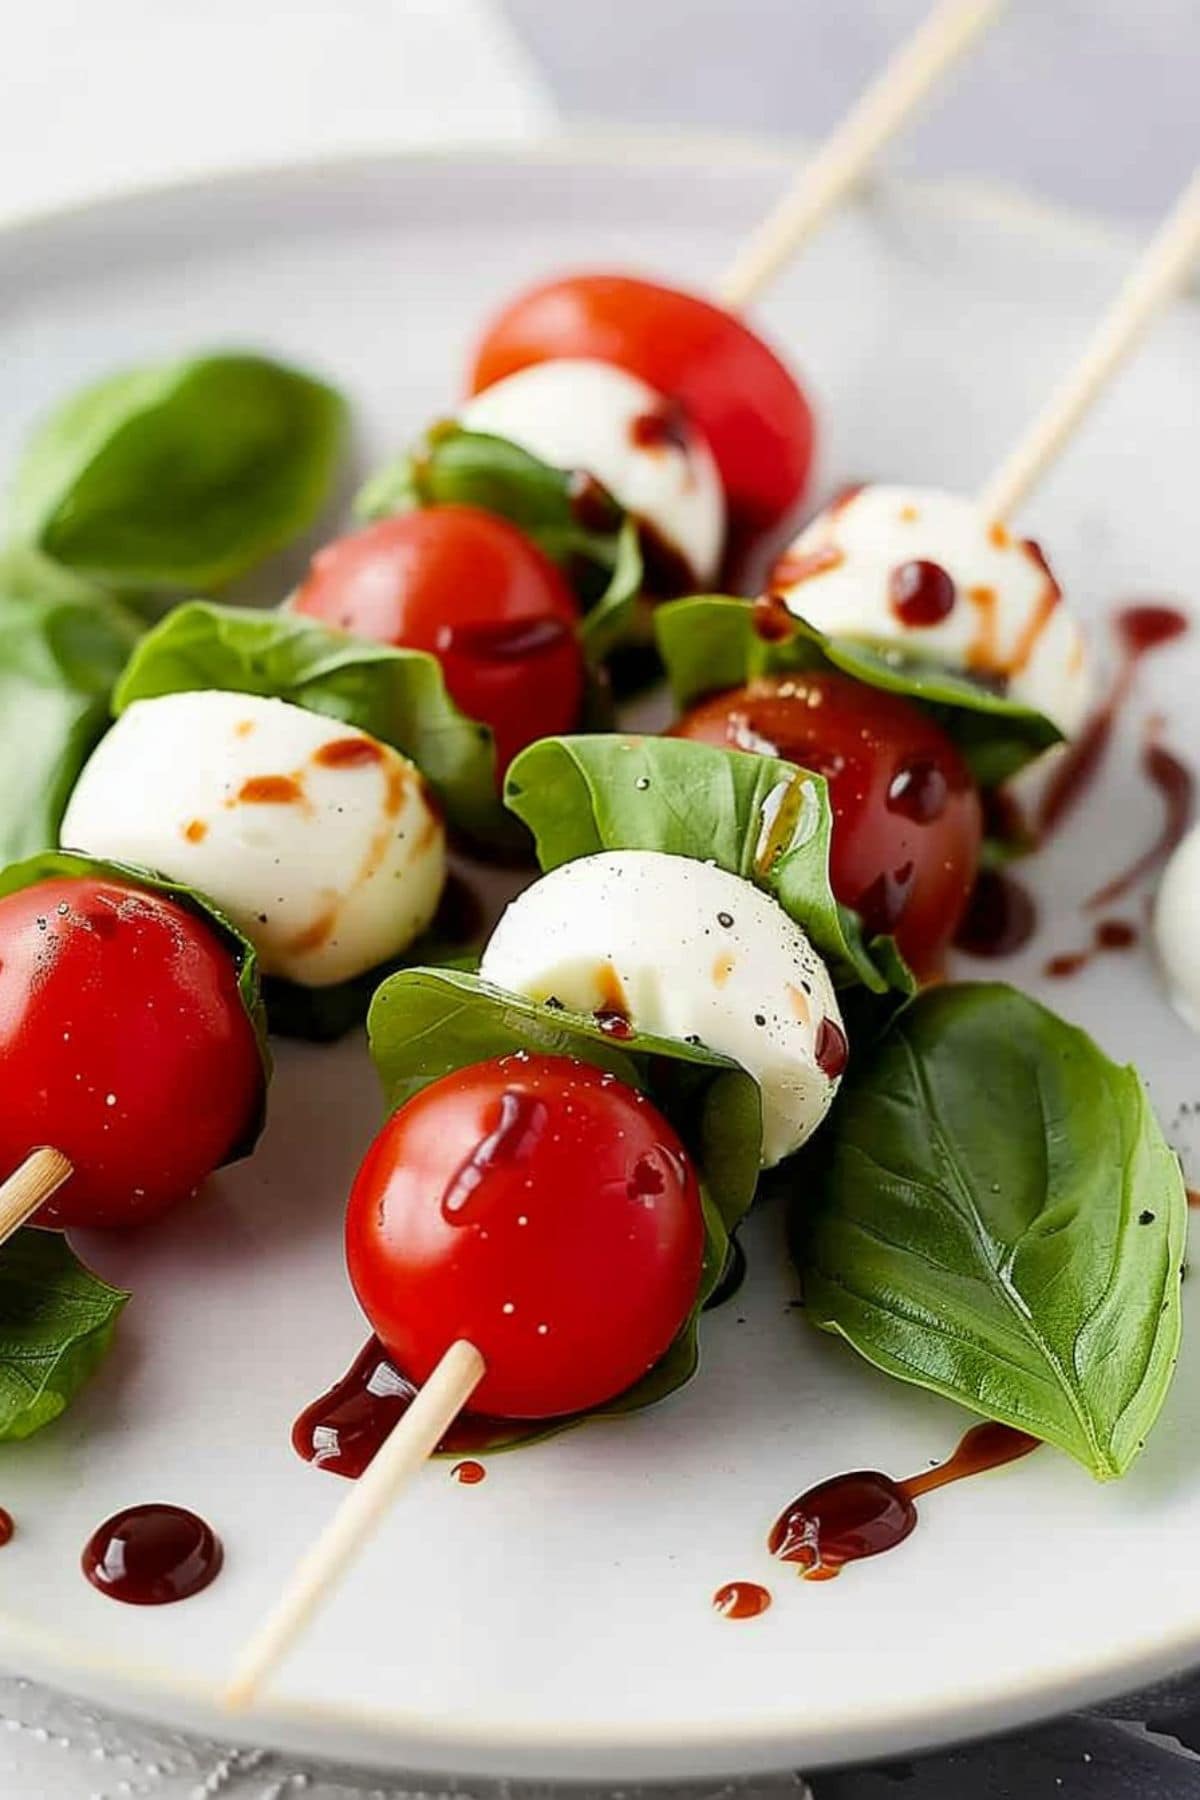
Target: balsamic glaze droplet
[
  {"x": 831, "y": 1051},
  {"x": 662, "y": 427},
  {"x": 152, "y": 1555},
  {"x": 771, "y": 620},
  {"x": 1140, "y": 629},
  {"x": 741, "y": 1600},
  {"x": 469, "y": 1473},
  {"x": 864, "y": 1513},
  {"x": 504, "y": 640},
  {"x": 842, "y": 1520},
  {"x": 522, "y": 1121},
  {"x": 1000, "y": 917},
  {"x": 921, "y": 593},
  {"x": 919, "y": 791},
  {"x": 613, "y": 1024},
  {"x": 342, "y": 1429}
]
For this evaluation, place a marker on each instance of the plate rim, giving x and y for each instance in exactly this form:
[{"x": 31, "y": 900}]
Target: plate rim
[{"x": 616, "y": 1750}]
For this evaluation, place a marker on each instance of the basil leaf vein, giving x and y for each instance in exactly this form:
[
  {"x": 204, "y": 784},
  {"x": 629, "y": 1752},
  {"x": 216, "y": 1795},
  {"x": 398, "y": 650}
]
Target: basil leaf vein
[{"x": 992, "y": 1212}]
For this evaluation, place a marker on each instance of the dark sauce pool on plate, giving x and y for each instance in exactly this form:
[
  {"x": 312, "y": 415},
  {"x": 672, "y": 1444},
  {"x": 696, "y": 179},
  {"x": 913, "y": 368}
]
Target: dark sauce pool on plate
[{"x": 152, "y": 1555}]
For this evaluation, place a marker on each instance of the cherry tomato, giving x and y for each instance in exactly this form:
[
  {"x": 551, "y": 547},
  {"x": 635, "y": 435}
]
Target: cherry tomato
[
  {"x": 542, "y": 1210},
  {"x": 908, "y": 823},
  {"x": 123, "y": 1041},
  {"x": 471, "y": 589},
  {"x": 750, "y": 409}
]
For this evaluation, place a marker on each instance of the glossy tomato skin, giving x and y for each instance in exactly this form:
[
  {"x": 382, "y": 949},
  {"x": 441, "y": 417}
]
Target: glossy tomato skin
[
  {"x": 472, "y": 590},
  {"x": 542, "y": 1210},
  {"x": 908, "y": 823},
  {"x": 123, "y": 1041},
  {"x": 752, "y": 411}
]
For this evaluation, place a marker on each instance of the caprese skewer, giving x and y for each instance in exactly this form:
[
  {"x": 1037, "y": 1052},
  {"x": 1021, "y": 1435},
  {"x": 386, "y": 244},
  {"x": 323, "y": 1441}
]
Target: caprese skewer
[
  {"x": 942, "y": 576},
  {"x": 489, "y": 1284},
  {"x": 662, "y": 406},
  {"x": 923, "y": 579}
]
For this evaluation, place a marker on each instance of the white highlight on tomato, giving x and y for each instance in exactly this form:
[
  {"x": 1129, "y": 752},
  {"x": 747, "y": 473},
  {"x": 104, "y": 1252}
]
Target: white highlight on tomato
[
  {"x": 318, "y": 842},
  {"x": 576, "y": 413},
  {"x": 1007, "y": 622},
  {"x": 684, "y": 950}
]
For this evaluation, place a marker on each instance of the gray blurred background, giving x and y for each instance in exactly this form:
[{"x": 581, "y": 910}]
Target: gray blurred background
[{"x": 1093, "y": 103}]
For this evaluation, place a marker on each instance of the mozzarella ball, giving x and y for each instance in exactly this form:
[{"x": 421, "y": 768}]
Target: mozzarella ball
[
  {"x": 578, "y": 414},
  {"x": 1176, "y": 912},
  {"x": 321, "y": 844},
  {"x": 684, "y": 950},
  {"x": 926, "y": 573}
]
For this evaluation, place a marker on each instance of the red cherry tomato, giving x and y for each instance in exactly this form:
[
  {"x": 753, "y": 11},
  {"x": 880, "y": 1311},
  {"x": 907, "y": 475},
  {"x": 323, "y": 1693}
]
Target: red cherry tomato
[
  {"x": 123, "y": 1041},
  {"x": 750, "y": 409},
  {"x": 540, "y": 1209},
  {"x": 908, "y": 823},
  {"x": 474, "y": 591}
]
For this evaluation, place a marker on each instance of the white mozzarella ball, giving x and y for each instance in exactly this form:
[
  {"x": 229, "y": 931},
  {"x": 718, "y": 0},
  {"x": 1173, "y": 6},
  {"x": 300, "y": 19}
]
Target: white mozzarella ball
[
  {"x": 575, "y": 413},
  {"x": 318, "y": 842},
  {"x": 845, "y": 575},
  {"x": 1176, "y": 916},
  {"x": 684, "y": 950}
]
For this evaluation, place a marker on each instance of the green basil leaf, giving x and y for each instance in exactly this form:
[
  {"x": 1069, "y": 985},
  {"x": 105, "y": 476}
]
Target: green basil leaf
[
  {"x": 992, "y": 1212},
  {"x": 49, "y": 865},
  {"x": 754, "y": 816},
  {"x": 56, "y": 1323},
  {"x": 710, "y": 643},
  {"x": 398, "y": 696},
  {"x": 603, "y": 559},
  {"x": 425, "y": 1023},
  {"x": 180, "y": 476},
  {"x": 62, "y": 648}
]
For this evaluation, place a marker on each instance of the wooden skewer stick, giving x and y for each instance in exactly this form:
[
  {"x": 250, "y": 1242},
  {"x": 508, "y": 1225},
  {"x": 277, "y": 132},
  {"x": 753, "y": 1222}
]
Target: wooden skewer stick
[
  {"x": 40, "y": 1175},
  {"x": 410, "y": 1445},
  {"x": 1158, "y": 274},
  {"x": 841, "y": 161}
]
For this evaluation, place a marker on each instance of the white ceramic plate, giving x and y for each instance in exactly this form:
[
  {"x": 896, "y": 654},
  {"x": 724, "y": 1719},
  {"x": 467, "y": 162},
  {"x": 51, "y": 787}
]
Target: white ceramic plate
[{"x": 555, "y": 1621}]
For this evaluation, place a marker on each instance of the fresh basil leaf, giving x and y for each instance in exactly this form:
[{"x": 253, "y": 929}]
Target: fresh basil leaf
[
  {"x": 992, "y": 1212},
  {"x": 710, "y": 643},
  {"x": 425, "y": 1023},
  {"x": 754, "y": 816},
  {"x": 56, "y": 1322},
  {"x": 398, "y": 696},
  {"x": 51, "y": 865},
  {"x": 61, "y": 651},
  {"x": 601, "y": 555},
  {"x": 179, "y": 476}
]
